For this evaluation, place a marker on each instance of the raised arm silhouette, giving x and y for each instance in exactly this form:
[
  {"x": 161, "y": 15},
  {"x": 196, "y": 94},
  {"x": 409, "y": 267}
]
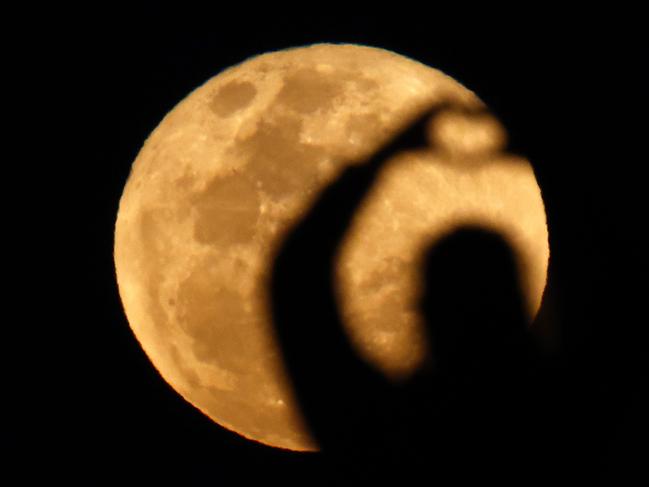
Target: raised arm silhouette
[{"x": 465, "y": 412}]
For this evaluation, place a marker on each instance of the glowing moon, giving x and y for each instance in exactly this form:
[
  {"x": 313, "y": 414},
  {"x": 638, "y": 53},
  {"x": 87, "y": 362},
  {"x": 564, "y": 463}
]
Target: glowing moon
[{"x": 238, "y": 161}]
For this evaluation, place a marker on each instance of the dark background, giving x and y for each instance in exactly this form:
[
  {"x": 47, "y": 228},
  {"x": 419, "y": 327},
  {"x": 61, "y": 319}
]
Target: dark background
[{"x": 570, "y": 90}]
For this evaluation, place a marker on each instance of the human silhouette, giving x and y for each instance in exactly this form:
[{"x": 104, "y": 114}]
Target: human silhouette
[{"x": 471, "y": 411}]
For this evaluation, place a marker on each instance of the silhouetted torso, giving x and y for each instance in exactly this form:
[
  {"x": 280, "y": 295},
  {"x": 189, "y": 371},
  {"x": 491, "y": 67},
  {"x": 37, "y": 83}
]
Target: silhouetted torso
[{"x": 471, "y": 412}]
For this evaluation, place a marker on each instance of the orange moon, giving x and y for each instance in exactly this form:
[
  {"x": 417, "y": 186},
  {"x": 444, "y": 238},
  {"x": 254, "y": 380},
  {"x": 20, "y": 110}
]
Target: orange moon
[{"x": 238, "y": 161}]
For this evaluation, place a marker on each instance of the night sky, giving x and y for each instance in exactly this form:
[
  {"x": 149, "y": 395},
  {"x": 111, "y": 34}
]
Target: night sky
[{"x": 570, "y": 92}]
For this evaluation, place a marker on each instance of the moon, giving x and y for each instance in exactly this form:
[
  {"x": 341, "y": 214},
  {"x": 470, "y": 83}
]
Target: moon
[{"x": 236, "y": 163}]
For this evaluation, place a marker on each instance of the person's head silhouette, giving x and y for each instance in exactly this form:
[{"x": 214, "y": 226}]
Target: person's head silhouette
[{"x": 472, "y": 302}]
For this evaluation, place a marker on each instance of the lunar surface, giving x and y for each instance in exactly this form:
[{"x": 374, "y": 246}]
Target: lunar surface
[{"x": 238, "y": 161}]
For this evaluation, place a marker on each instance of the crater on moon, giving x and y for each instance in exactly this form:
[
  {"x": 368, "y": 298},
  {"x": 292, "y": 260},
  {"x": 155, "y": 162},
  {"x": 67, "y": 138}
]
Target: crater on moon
[
  {"x": 236, "y": 163},
  {"x": 307, "y": 90},
  {"x": 233, "y": 97},
  {"x": 277, "y": 159},
  {"x": 226, "y": 211}
]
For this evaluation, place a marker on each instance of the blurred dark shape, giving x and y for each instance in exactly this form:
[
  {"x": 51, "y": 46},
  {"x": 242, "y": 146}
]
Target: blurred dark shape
[
  {"x": 478, "y": 409},
  {"x": 472, "y": 302}
]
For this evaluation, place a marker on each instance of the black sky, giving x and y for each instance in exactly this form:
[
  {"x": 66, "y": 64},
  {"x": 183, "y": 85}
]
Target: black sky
[{"x": 571, "y": 92}]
